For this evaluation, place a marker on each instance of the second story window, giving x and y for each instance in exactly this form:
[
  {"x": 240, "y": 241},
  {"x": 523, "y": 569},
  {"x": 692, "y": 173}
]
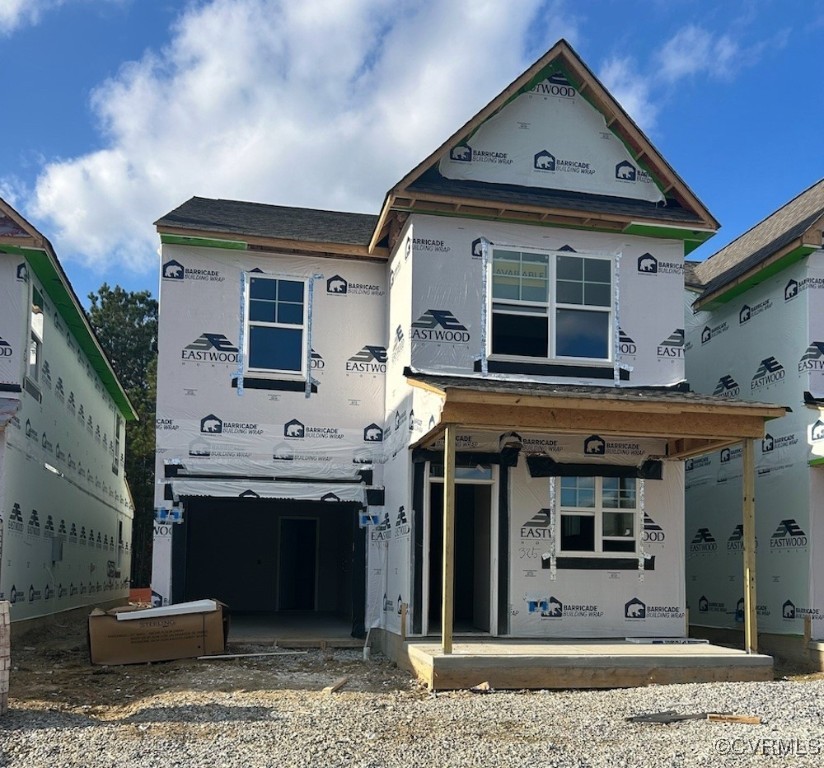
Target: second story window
[
  {"x": 550, "y": 305},
  {"x": 276, "y": 326}
]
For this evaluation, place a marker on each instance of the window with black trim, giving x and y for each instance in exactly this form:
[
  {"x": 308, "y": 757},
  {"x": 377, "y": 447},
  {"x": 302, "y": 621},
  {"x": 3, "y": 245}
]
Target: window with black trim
[
  {"x": 550, "y": 305},
  {"x": 598, "y": 515},
  {"x": 36, "y": 340},
  {"x": 276, "y": 315}
]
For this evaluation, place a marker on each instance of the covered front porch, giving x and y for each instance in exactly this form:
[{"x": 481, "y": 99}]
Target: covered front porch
[{"x": 611, "y": 595}]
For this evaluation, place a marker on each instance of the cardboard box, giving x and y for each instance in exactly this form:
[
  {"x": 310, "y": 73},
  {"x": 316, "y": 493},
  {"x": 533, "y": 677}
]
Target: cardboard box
[{"x": 132, "y": 635}]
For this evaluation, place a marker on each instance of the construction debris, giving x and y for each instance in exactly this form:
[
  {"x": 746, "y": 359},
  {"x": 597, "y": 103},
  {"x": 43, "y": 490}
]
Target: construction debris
[
  {"x": 671, "y": 716},
  {"x": 338, "y": 684}
]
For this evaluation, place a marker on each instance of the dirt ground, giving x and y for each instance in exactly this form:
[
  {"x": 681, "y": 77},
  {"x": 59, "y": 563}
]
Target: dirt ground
[
  {"x": 51, "y": 668},
  {"x": 50, "y": 665}
]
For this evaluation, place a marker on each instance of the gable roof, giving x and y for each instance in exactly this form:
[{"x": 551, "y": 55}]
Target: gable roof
[
  {"x": 19, "y": 237},
  {"x": 423, "y": 189},
  {"x": 788, "y": 234},
  {"x": 278, "y": 226}
]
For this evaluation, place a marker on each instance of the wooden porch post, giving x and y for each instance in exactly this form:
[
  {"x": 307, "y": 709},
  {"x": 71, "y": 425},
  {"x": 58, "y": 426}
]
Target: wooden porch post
[
  {"x": 750, "y": 619},
  {"x": 448, "y": 539}
]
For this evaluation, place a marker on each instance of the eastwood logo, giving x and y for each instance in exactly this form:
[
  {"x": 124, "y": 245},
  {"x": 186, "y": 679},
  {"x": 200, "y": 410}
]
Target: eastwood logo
[
  {"x": 537, "y": 527},
  {"x": 703, "y": 541},
  {"x": 794, "y": 287},
  {"x": 710, "y": 333},
  {"x": 769, "y": 372},
  {"x": 727, "y": 386},
  {"x": 174, "y": 270},
  {"x": 397, "y": 343},
  {"x": 382, "y": 532},
  {"x": 735, "y": 543},
  {"x": 748, "y": 312},
  {"x": 788, "y": 535},
  {"x": 370, "y": 359},
  {"x": 340, "y": 286},
  {"x": 5, "y": 348},
  {"x": 813, "y": 358},
  {"x": 70, "y": 403},
  {"x": 626, "y": 345},
  {"x": 210, "y": 348},
  {"x": 402, "y": 526},
  {"x": 673, "y": 345},
  {"x": 635, "y": 609},
  {"x": 15, "y": 521},
  {"x": 462, "y": 153},
  {"x": 33, "y": 526},
  {"x": 439, "y": 325},
  {"x": 649, "y": 265},
  {"x": 652, "y": 531},
  {"x": 316, "y": 362},
  {"x": 556, "y": 84},
  {"x": 595, "y": 445},
  {"x": 372, "y": 434}
]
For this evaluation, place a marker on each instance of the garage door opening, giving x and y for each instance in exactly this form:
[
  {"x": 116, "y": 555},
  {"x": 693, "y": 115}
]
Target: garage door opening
[{"x": 301, "y": 561}]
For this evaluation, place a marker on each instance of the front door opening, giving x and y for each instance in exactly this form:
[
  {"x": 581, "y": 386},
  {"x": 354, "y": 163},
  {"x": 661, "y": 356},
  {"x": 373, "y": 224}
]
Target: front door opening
[{"x": 473, "y": 564}]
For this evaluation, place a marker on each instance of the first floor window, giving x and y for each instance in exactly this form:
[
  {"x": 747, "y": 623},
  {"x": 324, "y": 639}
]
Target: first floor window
[
  {"x": 598, "y": 515},
  {"x": 276, "y": 315},
  {"x": 551, "y": 305}
]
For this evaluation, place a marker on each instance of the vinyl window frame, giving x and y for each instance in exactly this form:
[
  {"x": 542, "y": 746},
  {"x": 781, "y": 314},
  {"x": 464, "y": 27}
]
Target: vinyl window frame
[
  {"x": 249, "y": 323},
  {"x": 549, "y": 308},
  {"x": 597, "y": 513}
]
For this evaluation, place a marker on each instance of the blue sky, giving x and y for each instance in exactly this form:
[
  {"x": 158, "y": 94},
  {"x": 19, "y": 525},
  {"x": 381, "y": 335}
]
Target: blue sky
[{"x": 116, "y": 111}]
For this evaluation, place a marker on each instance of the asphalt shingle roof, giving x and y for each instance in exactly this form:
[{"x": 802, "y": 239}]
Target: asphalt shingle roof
[
  {"x": 275, "y": 221},
  {"x": 764, "y": 239},
  {"x": 433, "y": 182}
]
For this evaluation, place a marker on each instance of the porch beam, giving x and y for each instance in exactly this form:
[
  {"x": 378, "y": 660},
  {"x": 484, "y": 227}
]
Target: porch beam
[
  {"x": 750, "y": 617},
  {"x": 626, "y": 423},
  {"x": 447, "y": 592},
  {"x": 686, "y": 448}
]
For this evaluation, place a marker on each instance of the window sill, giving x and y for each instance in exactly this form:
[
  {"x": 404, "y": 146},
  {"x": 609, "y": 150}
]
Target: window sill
[
  {"x": 576, "y": 369},
  {"x": 279, "y": 385},
  {"x": 33, "y": 389},
  {"x": 595, "y": 562}
]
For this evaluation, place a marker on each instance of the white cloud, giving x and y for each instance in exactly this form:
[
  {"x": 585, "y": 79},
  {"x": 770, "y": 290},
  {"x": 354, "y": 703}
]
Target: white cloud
[
  {"x": 315, "y": 103},
  {"x": 694, "y": 50},
  {"x": 632, "y": 90},
  {"x": 18, "y": 13}
]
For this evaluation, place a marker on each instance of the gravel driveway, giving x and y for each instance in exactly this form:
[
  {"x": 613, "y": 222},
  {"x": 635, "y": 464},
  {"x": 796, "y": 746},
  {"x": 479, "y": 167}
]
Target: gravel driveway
[{"x": 271, "y": 711}]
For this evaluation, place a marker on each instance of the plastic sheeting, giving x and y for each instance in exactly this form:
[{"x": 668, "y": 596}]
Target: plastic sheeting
[
  {"x": 303, "y": 491},
  {"x": 766, "y": 345}
]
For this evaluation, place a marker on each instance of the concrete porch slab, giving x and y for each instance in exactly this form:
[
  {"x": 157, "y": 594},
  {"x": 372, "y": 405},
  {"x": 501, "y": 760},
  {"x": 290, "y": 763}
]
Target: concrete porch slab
[{"x": 518, "y": 664}]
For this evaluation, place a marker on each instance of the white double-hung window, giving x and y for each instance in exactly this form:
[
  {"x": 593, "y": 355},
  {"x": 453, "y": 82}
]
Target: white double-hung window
[
  {"x": 550, "y": 305},
  {"x": 276, "y": 323},
  {"x": 598, "y": 515}
]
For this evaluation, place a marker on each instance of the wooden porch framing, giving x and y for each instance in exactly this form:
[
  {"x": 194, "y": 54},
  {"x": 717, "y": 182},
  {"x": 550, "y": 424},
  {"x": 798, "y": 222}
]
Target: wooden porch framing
[{"x": 691, "y": 425}]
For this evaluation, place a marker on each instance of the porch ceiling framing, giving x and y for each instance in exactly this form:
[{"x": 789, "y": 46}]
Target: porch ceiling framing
[{"x": 691, "y": 426}]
